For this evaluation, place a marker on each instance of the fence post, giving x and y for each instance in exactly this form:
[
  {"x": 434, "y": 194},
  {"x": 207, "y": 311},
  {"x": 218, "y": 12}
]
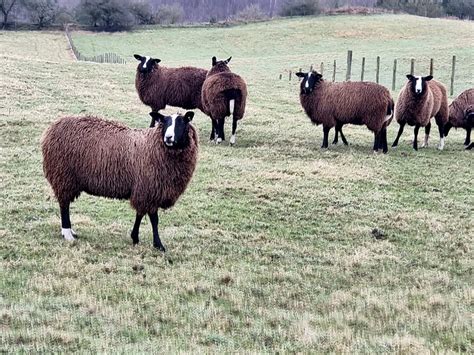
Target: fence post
[
  {"x": 280, "y": 76},
  {"x": 452, "y": 75},
  {"x": 394, "y": 77},
  {"x": 349, "y": 65},
  {"x": 322, "y": 68},
  {"x": 431, "y": 66},
  {"x": 377, "y": 73},
  {"x": 363, "y": 69},
  {"x": 289, "y": 76},
  {"x": 311, "y": 67},
  {"x": 412, "y": 66},
  {"x": 334, "y": 72}
]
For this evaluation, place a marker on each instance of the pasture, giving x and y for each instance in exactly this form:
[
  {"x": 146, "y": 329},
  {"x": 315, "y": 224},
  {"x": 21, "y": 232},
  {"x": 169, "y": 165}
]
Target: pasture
[{"x": 276, "y": 245}]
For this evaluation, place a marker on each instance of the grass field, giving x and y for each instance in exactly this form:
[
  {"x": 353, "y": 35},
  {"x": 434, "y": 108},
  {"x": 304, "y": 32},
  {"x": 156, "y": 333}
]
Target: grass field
[{"x": 271, "y": 247}]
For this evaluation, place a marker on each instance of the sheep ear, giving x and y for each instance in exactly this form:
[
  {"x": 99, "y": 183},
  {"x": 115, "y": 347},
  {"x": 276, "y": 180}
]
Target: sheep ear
[
  {"x": 138, "y": 57},
  {"x": 428, "y": 78},
  {"x": 214, "y": 61},
  {"x": 410, "y": 77},
  {"x": 300, "y": 74},
  {"x": 157, "y": 116},
  {"x": 188, "y": 116},
  {"x": 318, "y": 76},
  {"x": 228, "y": 60},
  {"x": 156, "y": 60}
]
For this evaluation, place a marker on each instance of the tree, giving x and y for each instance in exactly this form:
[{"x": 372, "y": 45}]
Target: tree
[
  {"x": 6, "y": 6},
  {"x": 42, "y": 12},
  {"x": 142, "y": 13},
  {"x": 108, "y": 15}
]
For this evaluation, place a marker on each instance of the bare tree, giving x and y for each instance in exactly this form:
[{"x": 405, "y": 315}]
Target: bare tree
[{"x": 6, "y": 6}]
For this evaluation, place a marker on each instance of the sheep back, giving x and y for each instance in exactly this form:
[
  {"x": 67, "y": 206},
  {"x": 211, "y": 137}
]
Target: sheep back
[
  {"x": 106, "y": 158},
  {"x": 412, "y": 109},
  {"x": 180, "y": 87},
  {"x": 458, "y": 107},
  {"x": 215, "y": 95},
  {"x": 348, "y": 102}
]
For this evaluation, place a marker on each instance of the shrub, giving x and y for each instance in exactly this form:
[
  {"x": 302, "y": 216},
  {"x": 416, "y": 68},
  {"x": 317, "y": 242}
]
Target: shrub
[
  {"x": 108, "y": 15},
  {"x": 300, "y": 8},
  {"x": 169, "y": 14},
  {"x": 250, "y": 13},
  {"x": 460, "y": 8},
  {"x": 142, "y": 13}
]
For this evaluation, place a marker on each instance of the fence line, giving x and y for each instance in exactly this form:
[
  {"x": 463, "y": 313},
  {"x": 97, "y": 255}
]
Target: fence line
[
  {"x": 101, "y": 58},
  {"x": 398, "y": 65}
]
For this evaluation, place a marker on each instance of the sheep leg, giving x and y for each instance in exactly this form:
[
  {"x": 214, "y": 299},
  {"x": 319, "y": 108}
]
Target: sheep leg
[
  {"x": 400, "y": 131},
  {"x": 213, "y": 131},
  {"x": 336, "y": 135},
  {"x": 342, "y": 136},
  {"x": 441, "y": 133},
  {"x": 156, "y": 237},
  {"x": 136, "y": 228},
  {"x": 447, "y": 128},
  {"x": 376, "y": 141},
  {"x": 384, "y": 143},
  {"x": 234, "y": 129},
  {"x": 66, "y": 231},
  {"x": 467, "y": 141},
  {"x": 470, "y": 146},
  {"x": 326, "y": 130},
  {"x": 415, "y": 138},
  {"x": 427, "y": 135},
  {"x": 220, "y": 131}
]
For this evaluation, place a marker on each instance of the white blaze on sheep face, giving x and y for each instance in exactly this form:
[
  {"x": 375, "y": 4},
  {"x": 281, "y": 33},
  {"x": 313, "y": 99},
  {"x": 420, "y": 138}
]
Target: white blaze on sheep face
[
  {"x": 147, "y": 59},
  {"x": 419, "y": 85},
  {"x": 306, "y": 85},
  {"x": 169, "y": 133}
]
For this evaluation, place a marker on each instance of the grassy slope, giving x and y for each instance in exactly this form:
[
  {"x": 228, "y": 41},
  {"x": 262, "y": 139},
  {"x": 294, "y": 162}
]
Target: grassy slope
[{"x": 271, "y": 245}]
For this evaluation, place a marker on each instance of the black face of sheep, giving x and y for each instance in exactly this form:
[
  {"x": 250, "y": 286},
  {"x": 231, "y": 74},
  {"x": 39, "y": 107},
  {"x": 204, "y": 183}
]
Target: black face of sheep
[
  {"x": 146, "y": 63},
  {"x": 309, "y": 81},
  {"x": 469, "y": 115},
  {"x": 418, "y": 83},
  {"x": 175, "y": 128}
]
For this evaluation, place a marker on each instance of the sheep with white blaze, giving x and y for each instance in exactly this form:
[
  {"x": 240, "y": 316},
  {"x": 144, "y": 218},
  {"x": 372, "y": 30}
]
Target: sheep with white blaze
[{"x": 150, "y": 167}]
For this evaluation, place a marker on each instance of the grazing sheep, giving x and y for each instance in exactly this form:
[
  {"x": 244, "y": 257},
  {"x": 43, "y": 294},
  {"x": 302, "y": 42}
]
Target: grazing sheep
[
  {"x": 223, "y": 94},
  {"x": 457, "y": 111},
  {"x": 469, "y": 119},
  {"x": 419, "y": 100},
  {"x": 158, "y": 86},
  {"x": 150, "y": 167},
  {"x": 335, "y": 104}
]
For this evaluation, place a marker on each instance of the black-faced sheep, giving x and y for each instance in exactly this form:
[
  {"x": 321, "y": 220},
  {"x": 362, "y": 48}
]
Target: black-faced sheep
[
  {"x": 223, "y": 94},
  {"x": 335, "y": 104},
  {"x": 469, "y": 121},
  {"x": 150, "y": 167},
  {"x": 457, "y": 112},
  {"x": 158, "y": 86},
  {"x": 420, "y": 99}
]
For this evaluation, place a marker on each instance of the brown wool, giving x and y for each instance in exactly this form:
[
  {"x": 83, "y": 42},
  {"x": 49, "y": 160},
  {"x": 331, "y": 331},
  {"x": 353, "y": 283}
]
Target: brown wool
[
  {"x": 458, "y": 108},
  {"x": 106, "y": 158}
]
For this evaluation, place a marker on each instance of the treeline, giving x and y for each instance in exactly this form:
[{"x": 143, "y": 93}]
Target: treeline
[{"x": 113, "y": 15}]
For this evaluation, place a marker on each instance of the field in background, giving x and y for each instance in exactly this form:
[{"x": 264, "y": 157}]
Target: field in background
[{"x": 271, "y": 247}]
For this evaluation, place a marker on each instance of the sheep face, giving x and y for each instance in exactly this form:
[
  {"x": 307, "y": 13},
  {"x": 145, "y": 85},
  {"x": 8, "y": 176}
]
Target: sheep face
[
  {"x": 469, "y": 115},
  {"x": 309, "y": 81},
  {"x": 175, "y": 129},
  {"x": 146, "y": 64},
  {"x": 418, "y": 84}
]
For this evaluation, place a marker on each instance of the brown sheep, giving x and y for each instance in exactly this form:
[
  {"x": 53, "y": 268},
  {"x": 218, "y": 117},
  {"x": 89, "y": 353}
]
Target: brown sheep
[
  {"x": 335, "y": 104},
  {"x": 223, "y": 94},
  {"x": 457, "y": 111},
  {"x": 158, "y": 86},
  {"x": 469, "y": 121},
  {"x": 419, "y": 100},
  {"x": 150, "y": 167}
]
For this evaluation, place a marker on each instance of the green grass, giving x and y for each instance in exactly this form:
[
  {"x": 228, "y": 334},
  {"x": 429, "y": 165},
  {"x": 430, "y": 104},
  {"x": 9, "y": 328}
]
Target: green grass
[{"x": 271, "y": 247}]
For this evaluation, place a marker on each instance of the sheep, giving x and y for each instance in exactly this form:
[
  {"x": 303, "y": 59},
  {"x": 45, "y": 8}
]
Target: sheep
[
  {"x": 158, "y": 86},
  {"x": 457, "y": 114},
  {"x": 223, "y": 94},
  {"x": 469, "y": 121},
  {"x": 150, "y": 167},
  {"x": 335, "y": 104},
  {"x": 420, "y": 99}
]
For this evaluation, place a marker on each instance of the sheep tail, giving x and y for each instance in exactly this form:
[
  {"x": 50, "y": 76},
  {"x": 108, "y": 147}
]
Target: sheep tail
[
  {"x": 390, "y": 110},
  {"x": 231, "y": 95}
]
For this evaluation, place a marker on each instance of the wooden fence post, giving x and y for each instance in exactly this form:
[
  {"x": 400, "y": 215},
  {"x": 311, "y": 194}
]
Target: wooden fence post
[
  {"x": 334, "y": 72},
  {"x": 322, "y": 68},
  {"x": 431, "y": 66},
  {"x": 289, "y": 76},
  {"x": 349, "y": 65},
  {"x": 412, "y": 66},
  {"x": 311, "y": 67},
  {"x": 377, "y": 73},
  {"x": 452, "y": 75},
  {"x": 394, "y": 77},
  {"x": 363, "y": 69},
  {"x": 280, "y": 76}
]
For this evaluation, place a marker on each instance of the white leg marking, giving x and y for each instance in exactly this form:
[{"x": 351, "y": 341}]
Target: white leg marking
[
  {"x": 218, "y": 140},
  {"x": 68, "y": 234},
  {"x": 231, "y": 106},
  {"x": 425, "y": 143},
  {"x": 441, "y": 144},
  {"x": 232, "y": 139}
]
